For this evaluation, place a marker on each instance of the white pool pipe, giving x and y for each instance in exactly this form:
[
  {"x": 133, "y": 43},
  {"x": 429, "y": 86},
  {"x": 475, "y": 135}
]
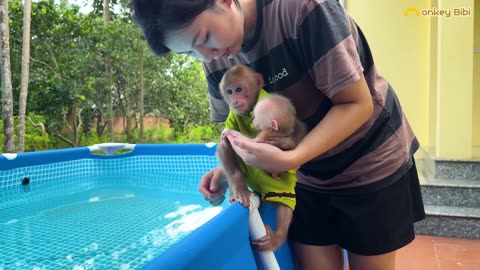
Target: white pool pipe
[
  {"x": 257, "y": 231},
  {"x": 111, "y": 148}
]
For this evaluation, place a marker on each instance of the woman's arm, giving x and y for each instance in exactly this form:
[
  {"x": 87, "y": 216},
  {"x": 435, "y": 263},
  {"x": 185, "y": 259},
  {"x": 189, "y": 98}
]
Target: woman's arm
[{"x": 352, "y": 107}]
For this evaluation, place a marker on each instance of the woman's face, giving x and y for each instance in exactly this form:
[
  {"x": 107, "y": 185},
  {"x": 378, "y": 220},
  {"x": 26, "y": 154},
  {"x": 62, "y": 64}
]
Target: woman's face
[{"x": 215, "y": 33}]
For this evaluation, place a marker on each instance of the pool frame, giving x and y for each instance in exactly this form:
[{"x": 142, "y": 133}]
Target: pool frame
[{"x": 221, "y": 243}]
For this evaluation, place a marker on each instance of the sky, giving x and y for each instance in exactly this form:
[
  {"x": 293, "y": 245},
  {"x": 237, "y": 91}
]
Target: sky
[{"x": 85, "y": 5}]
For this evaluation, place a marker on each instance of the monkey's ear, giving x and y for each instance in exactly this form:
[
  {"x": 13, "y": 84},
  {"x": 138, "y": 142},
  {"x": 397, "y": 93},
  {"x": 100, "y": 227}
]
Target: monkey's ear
[
  {"x": 259, "y": 80},
  {"x": 274, "y": 124}
]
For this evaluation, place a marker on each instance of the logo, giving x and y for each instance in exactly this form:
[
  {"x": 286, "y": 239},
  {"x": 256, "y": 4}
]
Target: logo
[
  {"x": 438, "y": 12},
  {"x": 275, "y": 78},
  {"x": 413, "y": 10}
]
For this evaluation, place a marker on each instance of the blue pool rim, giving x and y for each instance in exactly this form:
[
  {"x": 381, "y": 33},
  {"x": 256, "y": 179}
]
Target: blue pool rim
[
  {"x": 221, "y": 243},
  {"x": 61, "y": 155}
]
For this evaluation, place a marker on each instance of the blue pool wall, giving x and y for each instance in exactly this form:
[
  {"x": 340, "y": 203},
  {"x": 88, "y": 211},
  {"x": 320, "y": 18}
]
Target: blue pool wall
[{"x": 221, "y": 243}]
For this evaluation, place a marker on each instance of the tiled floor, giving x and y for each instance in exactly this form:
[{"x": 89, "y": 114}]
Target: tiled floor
[{"x": 439, "y": 253}]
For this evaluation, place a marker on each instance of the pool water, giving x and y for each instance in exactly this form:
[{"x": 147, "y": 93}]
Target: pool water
[{"x": 109, "y": 224}]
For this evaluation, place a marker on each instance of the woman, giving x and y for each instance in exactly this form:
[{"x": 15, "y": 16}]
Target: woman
[{"x": 357, "y": 186}]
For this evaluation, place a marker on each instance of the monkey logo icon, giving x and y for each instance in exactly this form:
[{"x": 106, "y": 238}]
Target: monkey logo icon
[{"x": 411, "y": 9}]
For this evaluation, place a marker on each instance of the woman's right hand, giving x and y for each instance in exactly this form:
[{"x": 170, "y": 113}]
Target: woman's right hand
[{"x": 213, "y": 186}]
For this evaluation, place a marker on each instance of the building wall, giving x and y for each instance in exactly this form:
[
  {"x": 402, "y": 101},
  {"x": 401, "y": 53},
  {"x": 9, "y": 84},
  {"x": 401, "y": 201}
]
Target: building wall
[
  {"x": 430, "y": 63},
  {"x": 455, "y": 83},
  {"x": 400, "y": 46},
  {"x": 433, "y": 83},
  {"x": 476, "y": 80},
  {"x": 119, "y": 123}
]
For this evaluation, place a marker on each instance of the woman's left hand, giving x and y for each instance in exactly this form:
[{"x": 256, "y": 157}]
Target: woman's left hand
[{"x": 261, "y": 155}]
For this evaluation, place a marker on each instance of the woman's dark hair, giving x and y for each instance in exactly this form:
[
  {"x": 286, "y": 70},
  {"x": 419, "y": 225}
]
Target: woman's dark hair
[{"x": 155, "y": 17}]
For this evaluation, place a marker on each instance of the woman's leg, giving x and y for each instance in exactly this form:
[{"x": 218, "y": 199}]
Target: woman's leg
[
  {"x": 309, "y": 257},
  {"x": 378, "y": 262}
]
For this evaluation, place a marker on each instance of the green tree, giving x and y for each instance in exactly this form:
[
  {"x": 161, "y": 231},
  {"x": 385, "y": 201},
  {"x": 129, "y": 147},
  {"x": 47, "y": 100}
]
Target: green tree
[
  {"x": 68, "y": 86},
  {"x": 181, "y": 94},
  {"x": 7, "y": 96},
  {"x": 27, "y": 14}
]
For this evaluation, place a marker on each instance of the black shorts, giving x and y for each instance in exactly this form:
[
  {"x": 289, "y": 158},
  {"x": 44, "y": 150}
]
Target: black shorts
[{"x": 370, "y": 223}]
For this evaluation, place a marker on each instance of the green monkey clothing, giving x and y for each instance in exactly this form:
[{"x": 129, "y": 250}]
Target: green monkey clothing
[{"x": 270, "y": 189}]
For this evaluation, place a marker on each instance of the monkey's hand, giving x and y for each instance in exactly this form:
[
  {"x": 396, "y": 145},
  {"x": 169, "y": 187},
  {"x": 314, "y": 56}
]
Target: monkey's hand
[
  {"x": 225, "y": 132},
  {"x": 231, "y": 133},
  {"x": 275, "y": 175}
]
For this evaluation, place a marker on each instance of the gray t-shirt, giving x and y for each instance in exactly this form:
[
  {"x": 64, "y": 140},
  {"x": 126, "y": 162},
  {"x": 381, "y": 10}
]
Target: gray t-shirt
[{"x": 309, "y": 50}]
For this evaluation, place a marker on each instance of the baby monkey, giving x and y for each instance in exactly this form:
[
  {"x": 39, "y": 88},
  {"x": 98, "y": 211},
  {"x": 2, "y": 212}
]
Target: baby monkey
[
  {"x": 274, "y": 122},
  {"x": 275, "y": 118}
]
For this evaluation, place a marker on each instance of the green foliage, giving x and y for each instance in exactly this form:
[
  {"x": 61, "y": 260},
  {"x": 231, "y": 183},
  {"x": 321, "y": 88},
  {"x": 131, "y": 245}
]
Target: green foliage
[
  {"x": 159, "y": 134},
  {"x": 92, "y": 138},
  {"x": 35, "y": 139},
  {"x": 200, "y": 134},
  {"x": 67, "y": 75},
  {"x": 65, "y": 61},
  {"x": 163, "y": 134},
  {"x": 181, "y": 94}
]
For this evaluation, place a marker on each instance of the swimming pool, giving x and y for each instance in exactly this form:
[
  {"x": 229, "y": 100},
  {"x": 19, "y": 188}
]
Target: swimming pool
[{"x": 71, "y": 209}]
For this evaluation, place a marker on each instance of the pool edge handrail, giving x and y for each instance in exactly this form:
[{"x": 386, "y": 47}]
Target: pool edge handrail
[
  {"x": 257, "y": 230},
  {"x": 110, "y": 148}
]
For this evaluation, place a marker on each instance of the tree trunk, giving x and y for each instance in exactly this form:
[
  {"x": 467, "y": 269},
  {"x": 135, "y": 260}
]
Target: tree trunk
[
  {"x": 74, "y": 124},
  {"x": 108, "y": 72},
  {"x": 128, "y": 127},
  {"x": 27, "y": 11},
  {"x": 42, "y": 127},
  {"x": 142, "y": 109},
  {"x": 7, "y": 97},
  {"x": 124, "y": 108},
  {"x": 100, "y": 127}
]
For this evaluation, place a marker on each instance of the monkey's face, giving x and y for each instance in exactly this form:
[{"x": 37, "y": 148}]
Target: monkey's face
[{"x": 240, "y": 97}]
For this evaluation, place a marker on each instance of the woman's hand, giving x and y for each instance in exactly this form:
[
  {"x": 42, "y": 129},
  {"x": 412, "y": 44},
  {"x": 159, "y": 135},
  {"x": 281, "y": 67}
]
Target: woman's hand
[
  {"x": 262, "y": 155},
  {"x": 213, "y": 186}
]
